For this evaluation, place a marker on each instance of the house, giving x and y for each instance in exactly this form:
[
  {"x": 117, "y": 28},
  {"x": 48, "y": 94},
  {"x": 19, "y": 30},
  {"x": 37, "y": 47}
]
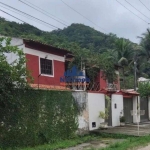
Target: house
[{"x": 45, "y": 62}]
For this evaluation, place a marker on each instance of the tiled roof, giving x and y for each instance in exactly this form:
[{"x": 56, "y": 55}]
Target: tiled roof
[
  {"x": 49, "y": 87},
  {"x": 34, "y": 41},
  {"x": 130, "y": 92}
]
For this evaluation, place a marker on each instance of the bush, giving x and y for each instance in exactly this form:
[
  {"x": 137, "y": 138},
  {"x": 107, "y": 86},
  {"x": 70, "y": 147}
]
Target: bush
[
  {"x": 122, "y": 119},
  {"x": 36, "y": 117}
]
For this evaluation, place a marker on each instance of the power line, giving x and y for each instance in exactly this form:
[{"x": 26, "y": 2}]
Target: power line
[
  {"x": 28, "y": 15},
  {"x": 137, "y": 9},
  {"x": 82, "y": 15},
  {"x": 132, "y": 12},
  {"x": 144, "y": 5},
  {"x": 12, "y": 16},
  {"x": 46, "y": 11},
  {"x": 41, "y": 12}
]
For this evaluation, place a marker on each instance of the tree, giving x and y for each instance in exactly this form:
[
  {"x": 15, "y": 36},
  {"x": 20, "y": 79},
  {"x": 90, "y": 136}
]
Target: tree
[
  {"x": 145, "y": 43},
  {"x": 124, "y": 56},
  {"x": 13, "y": 74},
  {"x": 143, "y": 55},
  {"x": 13, "y": 77}
]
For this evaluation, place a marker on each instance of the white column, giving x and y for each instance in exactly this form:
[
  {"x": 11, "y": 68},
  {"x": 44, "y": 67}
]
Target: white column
[
  {"x": 136, "y": 104},
  {"x": 149, "y": 108},
  {"x": 118, "y": 101},
  {"x": 96, "y": 103}
]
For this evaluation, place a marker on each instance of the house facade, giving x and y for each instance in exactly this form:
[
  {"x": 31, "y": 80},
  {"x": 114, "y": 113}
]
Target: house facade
[{"x": 45, "y": 63}]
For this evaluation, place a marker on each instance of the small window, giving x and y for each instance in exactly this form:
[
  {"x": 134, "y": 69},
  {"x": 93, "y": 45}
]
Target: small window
[
  {"x": 93, "y": 124},
  {"x": 46, "y": 66}
]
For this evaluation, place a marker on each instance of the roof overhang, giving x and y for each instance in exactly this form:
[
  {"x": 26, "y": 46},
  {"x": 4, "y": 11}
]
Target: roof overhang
[
  {"x": 128, "y": 94},
  {"x": 125, "y": 93},
  {"x": 46, "y": 48}
]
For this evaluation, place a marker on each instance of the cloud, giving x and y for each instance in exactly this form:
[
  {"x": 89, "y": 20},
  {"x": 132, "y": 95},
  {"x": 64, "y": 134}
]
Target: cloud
[{"x": 106, "y": 14}]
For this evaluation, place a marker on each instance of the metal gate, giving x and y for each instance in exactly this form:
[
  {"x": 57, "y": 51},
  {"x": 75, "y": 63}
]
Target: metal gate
[
  {"x": 144, "y": 106},
  {"x": 128, "y": 106}
]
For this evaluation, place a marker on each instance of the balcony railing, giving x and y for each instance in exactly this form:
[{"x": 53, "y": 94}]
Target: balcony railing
[
  {"x": 85, "y": 86},
  {"x": 111, "y": 87}
]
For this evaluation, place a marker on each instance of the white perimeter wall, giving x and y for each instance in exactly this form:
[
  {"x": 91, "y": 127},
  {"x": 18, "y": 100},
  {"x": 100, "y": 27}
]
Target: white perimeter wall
[
  {"x": 96, "y": 103},
  {"x": 118, "y": 100}
]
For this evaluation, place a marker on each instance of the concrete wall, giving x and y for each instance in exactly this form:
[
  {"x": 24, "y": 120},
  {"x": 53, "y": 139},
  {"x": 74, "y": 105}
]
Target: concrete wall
[
  {"x": 83, "y": 119},
  {"x": 116, "y": 107},
  {"x": 96, "y": 103}
]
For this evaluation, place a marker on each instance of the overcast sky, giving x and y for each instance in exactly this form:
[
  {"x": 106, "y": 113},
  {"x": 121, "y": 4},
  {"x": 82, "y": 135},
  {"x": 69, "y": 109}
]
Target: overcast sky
[{"x": 105, "y": 15}]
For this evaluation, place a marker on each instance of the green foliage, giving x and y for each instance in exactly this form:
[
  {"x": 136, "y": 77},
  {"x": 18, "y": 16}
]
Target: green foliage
[
  {"x": 129, "y": 143},
  {"x": 122, "y": 119},
  {"x": 30, "y": 117},
  {"x": 78, "y": 140},
  {"x": 145, "y": 43},
  {"x": 13, "y": 74},
  {"x": 66, "y": 143},
  {"x": 105, "y": 115},
  {"x": 144, "y": 89},
  {"x": 37, "y": 117},
  {"x": 129, "y": 82}
]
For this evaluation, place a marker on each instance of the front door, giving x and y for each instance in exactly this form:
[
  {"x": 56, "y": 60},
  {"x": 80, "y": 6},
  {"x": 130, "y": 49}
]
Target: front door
[
  {"x": 144, "y": 106},
  {"x": 128, "y": 106}
]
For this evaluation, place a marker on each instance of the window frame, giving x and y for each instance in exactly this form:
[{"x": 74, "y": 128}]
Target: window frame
[{"x": 42, "y": 74}]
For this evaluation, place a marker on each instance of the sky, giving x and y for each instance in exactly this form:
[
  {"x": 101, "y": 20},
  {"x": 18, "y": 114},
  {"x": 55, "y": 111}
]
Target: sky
[{"x": 106, "y": 16}]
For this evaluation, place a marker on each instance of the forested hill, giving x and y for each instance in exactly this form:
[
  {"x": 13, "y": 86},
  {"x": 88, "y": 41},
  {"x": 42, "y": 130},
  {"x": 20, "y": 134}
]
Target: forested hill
[
  {"x": 87, "y": 37},
  {"x": 84, "y": 36}
]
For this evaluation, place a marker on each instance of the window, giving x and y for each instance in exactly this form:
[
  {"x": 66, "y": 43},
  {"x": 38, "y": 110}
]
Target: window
[
  {"x": 93, "y": 124},
  {"x": 46, "y": 66}
]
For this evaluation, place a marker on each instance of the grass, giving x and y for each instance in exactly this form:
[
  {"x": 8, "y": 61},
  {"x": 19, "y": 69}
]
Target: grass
[
  {"x": 76, "y": 141},
  {"x": 65, "y": 143},
  {"x": 129, "y": 143}
]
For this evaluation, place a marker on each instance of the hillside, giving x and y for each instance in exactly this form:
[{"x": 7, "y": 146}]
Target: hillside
[
  {"x": 87, "y": 37},
  {"x": 84, "y": 36}
]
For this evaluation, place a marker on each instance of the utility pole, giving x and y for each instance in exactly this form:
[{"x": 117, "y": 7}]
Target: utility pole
[
  {"x": 135, "y": 75},
  {"x": 135, "y": 86}
]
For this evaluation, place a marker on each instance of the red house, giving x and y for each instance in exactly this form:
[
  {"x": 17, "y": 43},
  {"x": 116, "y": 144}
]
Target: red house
[{"x": 46, "y": 63}]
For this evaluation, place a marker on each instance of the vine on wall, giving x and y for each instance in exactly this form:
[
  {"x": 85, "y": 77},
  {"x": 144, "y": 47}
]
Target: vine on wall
[{"x": 37, "y": 116}]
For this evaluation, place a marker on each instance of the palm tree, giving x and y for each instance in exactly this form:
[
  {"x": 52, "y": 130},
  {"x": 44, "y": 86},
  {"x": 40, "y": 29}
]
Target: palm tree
[
  {"x": 124, "y": 55},
  {"x": 143, "y": 55},
  {"x": 145, "y": 43}
]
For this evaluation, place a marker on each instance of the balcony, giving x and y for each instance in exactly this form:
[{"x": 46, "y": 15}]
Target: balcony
[{"x": 111, "y": 87}]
